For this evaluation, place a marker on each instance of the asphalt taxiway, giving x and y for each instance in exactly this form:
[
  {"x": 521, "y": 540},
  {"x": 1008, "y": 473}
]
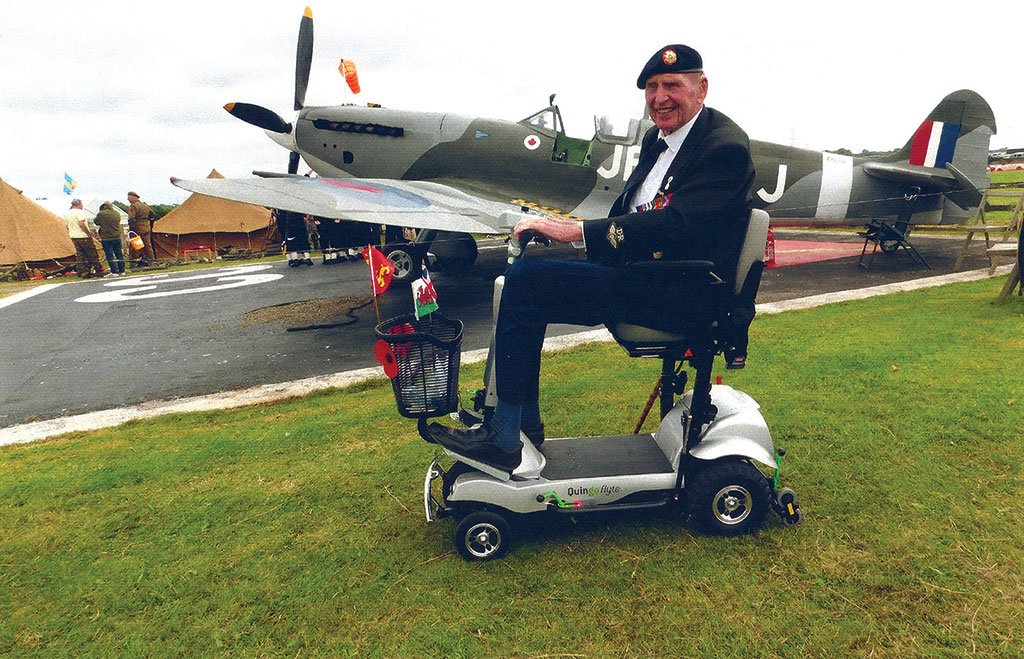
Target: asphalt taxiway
[{"x": 179, "y": 340}]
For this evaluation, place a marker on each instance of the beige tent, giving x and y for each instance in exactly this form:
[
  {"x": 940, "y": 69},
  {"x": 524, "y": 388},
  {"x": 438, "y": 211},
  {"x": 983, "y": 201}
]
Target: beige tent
[
  {"x": 29, "y": 233},
  {"x": 202, "y": 221}
]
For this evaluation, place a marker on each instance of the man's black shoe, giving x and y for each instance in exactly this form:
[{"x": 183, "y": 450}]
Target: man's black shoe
[
  {"x": 534, "y": 433},
  {"x": 459, "y": 438},
  {"x": 476, "y": 444}
]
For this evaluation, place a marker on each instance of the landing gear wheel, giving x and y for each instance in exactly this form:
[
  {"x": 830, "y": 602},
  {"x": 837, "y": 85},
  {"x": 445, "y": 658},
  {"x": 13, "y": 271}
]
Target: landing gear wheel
[
  {"x": 456, "y": 252},
  {"x": 729, "y": 498},
  {"x": 406, "y": 262},
  {"x": 889, "y": 246},
  {"x": 482, "y": 536}
]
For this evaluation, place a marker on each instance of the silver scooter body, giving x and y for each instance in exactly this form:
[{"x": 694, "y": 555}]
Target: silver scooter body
[{"x": 586, "y": 473}]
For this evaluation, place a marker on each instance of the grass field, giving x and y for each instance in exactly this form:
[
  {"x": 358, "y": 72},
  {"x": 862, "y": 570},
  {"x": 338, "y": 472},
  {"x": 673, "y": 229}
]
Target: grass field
[{"x": 296, "y": 529}]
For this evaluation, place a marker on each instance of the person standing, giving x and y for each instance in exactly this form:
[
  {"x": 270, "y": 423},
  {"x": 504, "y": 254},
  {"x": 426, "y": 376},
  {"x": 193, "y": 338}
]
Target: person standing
[
  {"x": 109, "y": 223},
  {"x": 296, "y": 238},
  {"x": 88, "y": 260},
  {"x": 140, "y": 220}
]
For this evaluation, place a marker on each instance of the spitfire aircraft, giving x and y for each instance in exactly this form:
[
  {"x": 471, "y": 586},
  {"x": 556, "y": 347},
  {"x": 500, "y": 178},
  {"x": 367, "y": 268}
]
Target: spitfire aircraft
[{"x": 451, "y": 176}]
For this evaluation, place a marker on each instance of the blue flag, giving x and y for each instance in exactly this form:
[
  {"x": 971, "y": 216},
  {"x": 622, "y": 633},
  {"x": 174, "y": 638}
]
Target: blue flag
[{"x": 69, "y": 184}]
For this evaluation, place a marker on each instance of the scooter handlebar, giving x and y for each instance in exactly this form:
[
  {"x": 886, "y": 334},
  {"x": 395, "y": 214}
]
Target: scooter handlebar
[{"x": 516, "y": 248}]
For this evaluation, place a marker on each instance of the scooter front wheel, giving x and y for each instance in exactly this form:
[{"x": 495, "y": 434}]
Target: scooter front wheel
[
  {"x": 482, "y": 536},
  {"x": 729, "y": 498}
]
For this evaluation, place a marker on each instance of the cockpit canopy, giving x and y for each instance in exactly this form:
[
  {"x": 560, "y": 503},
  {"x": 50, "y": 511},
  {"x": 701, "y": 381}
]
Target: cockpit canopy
[{"x": 548, "y": 122}]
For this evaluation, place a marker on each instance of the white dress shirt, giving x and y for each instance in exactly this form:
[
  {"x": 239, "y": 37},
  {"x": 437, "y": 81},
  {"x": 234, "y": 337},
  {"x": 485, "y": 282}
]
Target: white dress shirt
[{"x": 647, "y": 191}]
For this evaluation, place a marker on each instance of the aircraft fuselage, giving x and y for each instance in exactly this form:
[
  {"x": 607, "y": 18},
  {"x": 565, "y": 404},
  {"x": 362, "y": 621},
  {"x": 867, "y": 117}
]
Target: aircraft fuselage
[{"x": 534, "y": 161}]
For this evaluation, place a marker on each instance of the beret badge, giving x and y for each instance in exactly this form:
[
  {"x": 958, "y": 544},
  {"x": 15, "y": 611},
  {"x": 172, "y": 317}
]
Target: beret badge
[{"x": 669, "y": 57}]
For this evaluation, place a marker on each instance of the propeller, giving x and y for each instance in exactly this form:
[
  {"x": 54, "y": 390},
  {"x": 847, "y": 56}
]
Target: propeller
[
  {"x": 303, "y": 62},
  {"x": 303, "y": 58},
  {"x": 269, "y": 120},
  {"x": 259, "y": 116}
]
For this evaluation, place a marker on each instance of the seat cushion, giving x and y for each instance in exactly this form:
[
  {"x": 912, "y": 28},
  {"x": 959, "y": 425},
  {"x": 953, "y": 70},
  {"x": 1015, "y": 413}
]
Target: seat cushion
[{"x": 625, "y": 332}]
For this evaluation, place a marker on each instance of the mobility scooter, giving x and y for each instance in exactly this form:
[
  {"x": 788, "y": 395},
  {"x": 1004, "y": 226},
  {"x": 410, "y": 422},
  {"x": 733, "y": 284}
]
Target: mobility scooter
[{"x": 710, "y": 454}]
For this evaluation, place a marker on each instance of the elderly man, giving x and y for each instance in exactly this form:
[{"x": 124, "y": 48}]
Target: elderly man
[
  {"x": 140, "y": 218},
  {"x": 88, "y": 260},
  {"x": 688, "y": 198}
]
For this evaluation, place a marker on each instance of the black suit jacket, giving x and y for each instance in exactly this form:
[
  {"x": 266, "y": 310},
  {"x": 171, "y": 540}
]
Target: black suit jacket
[
  {"x": 708, "y": 189},
  {"x": 708, "y": 185}
]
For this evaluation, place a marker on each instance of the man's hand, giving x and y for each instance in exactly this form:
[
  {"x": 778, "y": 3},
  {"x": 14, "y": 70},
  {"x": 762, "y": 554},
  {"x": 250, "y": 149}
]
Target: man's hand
[{"x": 560, "y": 231}]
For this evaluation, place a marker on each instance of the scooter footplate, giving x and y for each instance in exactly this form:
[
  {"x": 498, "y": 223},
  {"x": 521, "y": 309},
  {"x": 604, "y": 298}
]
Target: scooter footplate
[{"x": 596, "y": 457}]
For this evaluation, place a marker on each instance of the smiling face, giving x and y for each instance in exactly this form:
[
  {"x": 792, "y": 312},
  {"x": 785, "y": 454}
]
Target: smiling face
[{"x": 675, "y": 98}]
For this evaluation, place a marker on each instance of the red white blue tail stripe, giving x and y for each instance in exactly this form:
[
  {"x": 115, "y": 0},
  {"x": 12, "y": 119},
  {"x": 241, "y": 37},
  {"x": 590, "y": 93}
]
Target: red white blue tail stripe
[{"x": 934, "y": 144}]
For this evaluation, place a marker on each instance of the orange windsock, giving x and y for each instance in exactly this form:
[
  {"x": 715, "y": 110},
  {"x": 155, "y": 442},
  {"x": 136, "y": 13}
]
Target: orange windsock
[{"x": 347, "y": 68}]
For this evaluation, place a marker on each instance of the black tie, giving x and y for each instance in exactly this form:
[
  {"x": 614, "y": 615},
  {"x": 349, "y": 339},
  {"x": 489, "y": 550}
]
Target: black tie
[{"x": 644, "y": 167}]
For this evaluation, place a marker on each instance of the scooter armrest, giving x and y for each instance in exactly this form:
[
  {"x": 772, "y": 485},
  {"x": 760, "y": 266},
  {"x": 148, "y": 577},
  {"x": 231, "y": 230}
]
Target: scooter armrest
[{"x": 671, "y": 271}]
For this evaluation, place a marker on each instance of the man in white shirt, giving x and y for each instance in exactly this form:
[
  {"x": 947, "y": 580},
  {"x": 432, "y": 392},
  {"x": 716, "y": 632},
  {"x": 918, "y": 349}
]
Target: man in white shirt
[{"x": 88, "y": 260}]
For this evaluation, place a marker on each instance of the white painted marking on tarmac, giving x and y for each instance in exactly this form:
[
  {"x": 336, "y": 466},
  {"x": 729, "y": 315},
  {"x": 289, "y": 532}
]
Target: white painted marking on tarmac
[
  {"x": 137, "y": 288},
  {"x": 24, "y": 295},
  {"x": 269, "y": 393}
]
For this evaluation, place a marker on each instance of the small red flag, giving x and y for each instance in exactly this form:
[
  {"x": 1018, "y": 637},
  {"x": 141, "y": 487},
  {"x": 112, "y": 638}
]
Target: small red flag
[{"x": 381, "y": 269}]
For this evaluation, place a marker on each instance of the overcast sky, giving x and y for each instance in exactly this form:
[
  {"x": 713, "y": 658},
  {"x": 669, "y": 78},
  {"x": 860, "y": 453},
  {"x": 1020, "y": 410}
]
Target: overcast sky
[{"x": 124, "y": 95}]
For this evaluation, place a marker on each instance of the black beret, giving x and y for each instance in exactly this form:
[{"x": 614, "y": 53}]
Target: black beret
[{"x": 674, "y": 58}]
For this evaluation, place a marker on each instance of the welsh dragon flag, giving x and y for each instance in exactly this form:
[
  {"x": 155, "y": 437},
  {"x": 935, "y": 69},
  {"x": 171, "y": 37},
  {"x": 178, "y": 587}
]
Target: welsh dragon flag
[{"x": 424, "y": 296}]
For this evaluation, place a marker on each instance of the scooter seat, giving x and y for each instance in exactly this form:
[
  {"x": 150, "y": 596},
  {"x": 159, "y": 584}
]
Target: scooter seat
[
  {"x": 640, "y": 341},
  {"x": 727, "y": 314},
  {"x": 625, "y": 332}
]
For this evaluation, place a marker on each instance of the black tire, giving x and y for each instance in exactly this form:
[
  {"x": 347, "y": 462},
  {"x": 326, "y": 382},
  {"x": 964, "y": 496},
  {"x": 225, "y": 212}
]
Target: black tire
[
  {"x": 788, "y": 507},
  {"x": 482, "y": 536},
  {"x": 448, "y": 480},
  {"x": 407, "y": 262},
  {"x": 729, "y": 498}
]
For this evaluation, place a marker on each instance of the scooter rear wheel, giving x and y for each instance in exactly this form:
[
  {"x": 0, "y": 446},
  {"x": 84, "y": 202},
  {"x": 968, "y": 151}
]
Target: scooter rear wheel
[
  {"x": 729, "y": 498},
  {"x": 482, "y": 536}
]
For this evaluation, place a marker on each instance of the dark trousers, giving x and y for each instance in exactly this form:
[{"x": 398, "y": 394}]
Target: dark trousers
[
  {"x": 538, "y": 292},
  {"x": 115, "y": 256}
]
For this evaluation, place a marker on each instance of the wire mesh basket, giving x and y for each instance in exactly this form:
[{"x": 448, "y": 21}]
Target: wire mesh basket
[{"x": 425, "y": 355}]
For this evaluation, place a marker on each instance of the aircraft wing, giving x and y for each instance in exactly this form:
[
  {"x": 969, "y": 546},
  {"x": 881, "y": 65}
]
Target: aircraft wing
[
  {"x": 415, "y": 204},
  {"x": 950, "y": 181}
]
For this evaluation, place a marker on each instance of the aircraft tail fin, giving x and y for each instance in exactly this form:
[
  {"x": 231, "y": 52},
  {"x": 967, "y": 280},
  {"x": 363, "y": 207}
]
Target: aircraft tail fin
[
  {"x": 955, "y": 137},
  {"x": 957, "y": 130}
]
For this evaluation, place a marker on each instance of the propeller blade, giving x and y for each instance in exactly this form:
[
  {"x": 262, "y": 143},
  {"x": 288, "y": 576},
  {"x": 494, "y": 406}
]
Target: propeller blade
[
  {"x": 293, "y": 163},
  {"x": 303, "y": 58},
  {"x": 259, "y": 116}
]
